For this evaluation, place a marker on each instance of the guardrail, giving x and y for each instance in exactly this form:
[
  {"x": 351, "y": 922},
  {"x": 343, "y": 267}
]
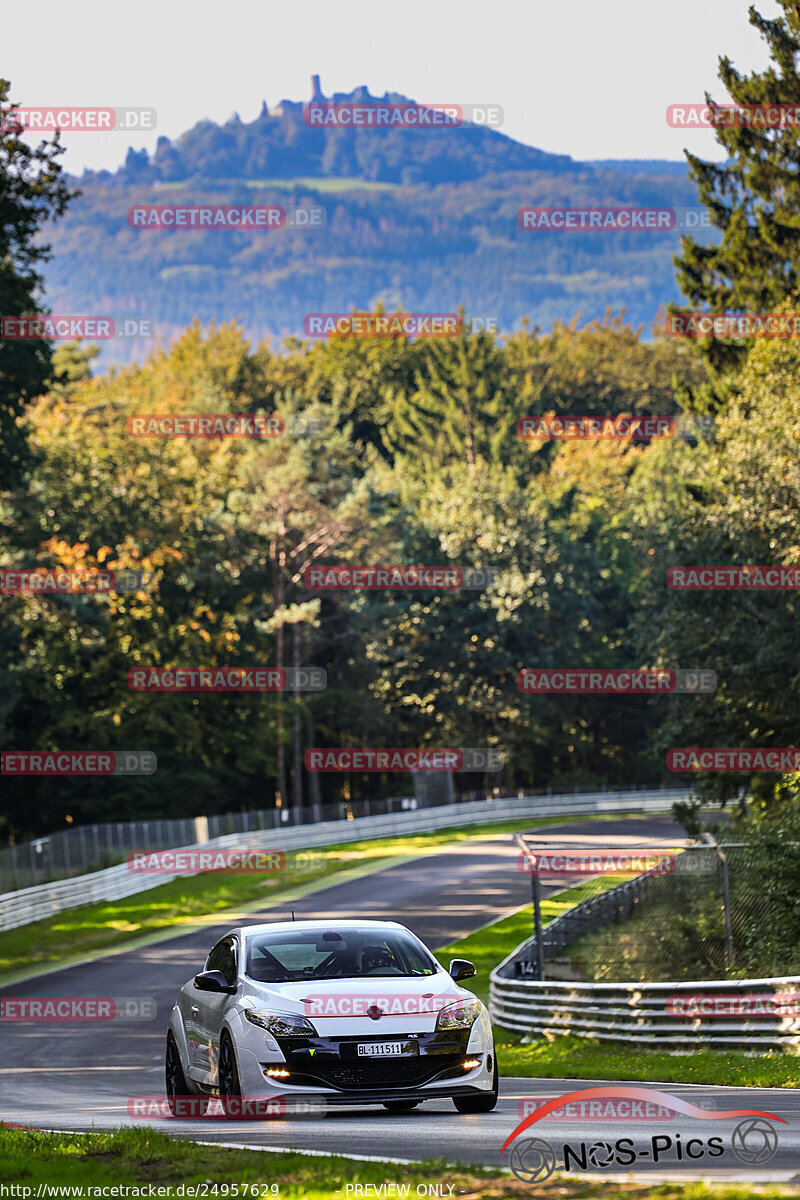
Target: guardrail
[
  {"x": 114, "y": 883},
  {"x": 79, "y": 849},
  {"x": 611, "y": 907},
  {"x": 640, "y": 1012},
  {"x": 644, "y": 1012}
]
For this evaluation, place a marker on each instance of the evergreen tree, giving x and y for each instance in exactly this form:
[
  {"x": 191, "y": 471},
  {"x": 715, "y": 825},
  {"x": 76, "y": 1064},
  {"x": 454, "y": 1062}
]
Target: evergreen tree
[
  {"x": 461, "y": 408},
  {"x": 753, "y": 198},
  {"x": 31, "y": 193}
]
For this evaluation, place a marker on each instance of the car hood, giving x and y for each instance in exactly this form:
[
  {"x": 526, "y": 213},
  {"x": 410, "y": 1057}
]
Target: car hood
[{"x": 344, "y": 1006}]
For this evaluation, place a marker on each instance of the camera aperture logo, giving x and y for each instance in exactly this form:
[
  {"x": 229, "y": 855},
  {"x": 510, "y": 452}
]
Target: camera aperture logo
[{"x": 754, "y": 1141}]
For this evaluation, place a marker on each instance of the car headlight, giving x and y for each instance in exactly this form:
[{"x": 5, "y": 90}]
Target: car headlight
[
  {"x": 460, "y": 1015},
  {"x": 281, "y": 1024}
]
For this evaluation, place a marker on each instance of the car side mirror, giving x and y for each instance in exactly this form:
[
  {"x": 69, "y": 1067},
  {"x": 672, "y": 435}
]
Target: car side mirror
[
  {"x": 462, "y": 968},
  {"x": 213, "y": 981}
]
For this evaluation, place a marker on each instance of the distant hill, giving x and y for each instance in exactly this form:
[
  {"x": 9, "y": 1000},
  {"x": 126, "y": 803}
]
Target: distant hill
[
  {"x": 639, "y": 166},
  {"x": 421, "y": 219},
  {"x": 279, "y": 144}
]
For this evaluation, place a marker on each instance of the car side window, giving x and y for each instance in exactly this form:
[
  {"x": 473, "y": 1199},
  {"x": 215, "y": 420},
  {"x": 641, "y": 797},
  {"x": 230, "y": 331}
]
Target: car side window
[{"x": 223, "y": 958}]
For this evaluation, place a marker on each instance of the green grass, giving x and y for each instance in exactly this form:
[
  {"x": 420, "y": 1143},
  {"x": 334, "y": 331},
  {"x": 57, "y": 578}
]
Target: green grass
[
  {"x": 584, "y": 1058},
  {"x": 489, "y": 946},
  {"x": 674, "y": 938},
  {"x": 143, "y": 1158},
  {"x": 207, "y": 899}
]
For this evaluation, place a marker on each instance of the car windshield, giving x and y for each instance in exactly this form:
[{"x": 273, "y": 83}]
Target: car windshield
[{"x": 336, "y": 954}]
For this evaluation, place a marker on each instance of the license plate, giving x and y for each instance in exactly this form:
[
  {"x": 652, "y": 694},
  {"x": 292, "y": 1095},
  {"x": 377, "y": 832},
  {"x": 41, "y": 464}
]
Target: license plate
[{"x": 381, "y": 1049}]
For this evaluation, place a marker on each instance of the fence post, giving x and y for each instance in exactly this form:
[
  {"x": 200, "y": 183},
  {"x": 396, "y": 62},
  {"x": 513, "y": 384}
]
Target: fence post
[
  {"x": 537, "y": 910},
  {"x": 726, "y": 898}
]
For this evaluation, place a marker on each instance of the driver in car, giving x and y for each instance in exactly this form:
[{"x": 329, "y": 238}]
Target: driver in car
[{"x": 375, "y": 957}]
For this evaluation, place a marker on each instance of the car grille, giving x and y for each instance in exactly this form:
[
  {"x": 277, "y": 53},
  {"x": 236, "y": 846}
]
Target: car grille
[{"x": 395, "y": 1072}]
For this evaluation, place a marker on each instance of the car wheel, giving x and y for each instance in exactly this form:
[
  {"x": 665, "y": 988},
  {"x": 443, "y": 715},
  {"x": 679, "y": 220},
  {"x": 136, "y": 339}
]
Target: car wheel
[
  {"x": 400, "y": 1105},
  {"x": 181, "y": 1101},
  {"x": 480, "y": 1104},
  {"x": 230, "y": 1092}
]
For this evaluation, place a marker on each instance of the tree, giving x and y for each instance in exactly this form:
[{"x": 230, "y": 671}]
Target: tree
[
  {"x": 292, "y": 503},
  {"x": 735, "y": 500},
  {"x": 461, "y": 408},
  {"x": 31, "y": 194},
  {"x": 753, "y": 199}
]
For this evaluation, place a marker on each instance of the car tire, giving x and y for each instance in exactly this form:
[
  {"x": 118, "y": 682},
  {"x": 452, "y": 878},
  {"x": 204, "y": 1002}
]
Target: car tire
[
  {"x": 484, "y": 1103},
  {"x": 230, "y": 1091},
  {"x": 400, "y": 1106},
  {"x": 182, "y": 1103}
]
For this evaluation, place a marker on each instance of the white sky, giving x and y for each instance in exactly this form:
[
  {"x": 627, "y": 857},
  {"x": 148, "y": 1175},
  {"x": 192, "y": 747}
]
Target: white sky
[{"x": 589, "y": 78}]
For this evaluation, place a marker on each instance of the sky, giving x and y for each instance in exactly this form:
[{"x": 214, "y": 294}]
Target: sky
[{"x": 588, "y": 78}]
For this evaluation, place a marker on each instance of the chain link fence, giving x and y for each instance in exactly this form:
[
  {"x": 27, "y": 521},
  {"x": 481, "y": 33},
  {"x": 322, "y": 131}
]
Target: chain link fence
[
  {"x": 85, "y": 848},
  {"x": 75, "y": 851},
  {"x": 715, "y": 916}
]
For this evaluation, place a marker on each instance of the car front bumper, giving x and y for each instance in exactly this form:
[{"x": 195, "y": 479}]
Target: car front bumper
[{"x": 434, "y": 1064}]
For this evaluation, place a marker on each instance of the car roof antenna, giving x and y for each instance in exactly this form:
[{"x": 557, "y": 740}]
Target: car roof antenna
[{"x": 292, "y": 914}]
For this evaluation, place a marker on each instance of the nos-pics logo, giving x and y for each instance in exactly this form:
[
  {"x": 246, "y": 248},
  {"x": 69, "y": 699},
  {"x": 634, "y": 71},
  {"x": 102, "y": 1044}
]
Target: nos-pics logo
[{"x": 754, "y": 1140}]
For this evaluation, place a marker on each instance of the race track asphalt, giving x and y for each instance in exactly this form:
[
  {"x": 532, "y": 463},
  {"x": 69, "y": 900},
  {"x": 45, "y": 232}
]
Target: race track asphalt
[{"x": 79, "y": 1075}]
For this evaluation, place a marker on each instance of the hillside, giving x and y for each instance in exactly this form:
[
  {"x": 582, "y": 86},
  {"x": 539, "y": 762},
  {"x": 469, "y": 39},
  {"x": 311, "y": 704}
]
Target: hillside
[
  {"x": 421, "y": 219},
  {"x": 280, "y": 144}
]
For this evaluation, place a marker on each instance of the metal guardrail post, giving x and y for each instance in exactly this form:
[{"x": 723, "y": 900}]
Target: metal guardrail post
[
  {"x": 537, "y": 908},
  {"x": 117, "y": 882},
  {"x": 726, "y": 898}
]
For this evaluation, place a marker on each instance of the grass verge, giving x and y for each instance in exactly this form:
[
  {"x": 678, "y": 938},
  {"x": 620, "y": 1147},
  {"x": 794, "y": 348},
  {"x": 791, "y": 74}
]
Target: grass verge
[
  {"x": 584, "y": 1058},
  {"x": 489, "y": 946},
  {"x": 143, "y": 1158},
  {"x": 77, "y": 933}
]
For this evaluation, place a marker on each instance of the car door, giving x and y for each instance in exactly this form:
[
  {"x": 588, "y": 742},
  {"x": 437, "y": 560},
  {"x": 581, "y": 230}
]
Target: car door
[
  {"x": 208, "y": 1009},
  {"x": 189, "y": 1010}
]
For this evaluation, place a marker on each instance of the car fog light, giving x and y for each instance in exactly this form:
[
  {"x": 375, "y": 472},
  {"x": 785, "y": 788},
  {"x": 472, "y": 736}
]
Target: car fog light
[
  {"x": 276, "y": 1073},
  {"x": 469, "y": 1064}
]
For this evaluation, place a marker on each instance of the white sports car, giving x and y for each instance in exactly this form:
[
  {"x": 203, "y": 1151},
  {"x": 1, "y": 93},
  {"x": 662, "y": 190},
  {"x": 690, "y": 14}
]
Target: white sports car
[{"x": 343, "y": 1012}]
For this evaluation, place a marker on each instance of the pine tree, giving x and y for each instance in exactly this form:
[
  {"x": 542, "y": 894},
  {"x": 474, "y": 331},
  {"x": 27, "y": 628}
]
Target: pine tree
[
  {"x": 31, "y": 193},
  {"x": 753, "y": 198},
  {"x": 460, "y": 409}
]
